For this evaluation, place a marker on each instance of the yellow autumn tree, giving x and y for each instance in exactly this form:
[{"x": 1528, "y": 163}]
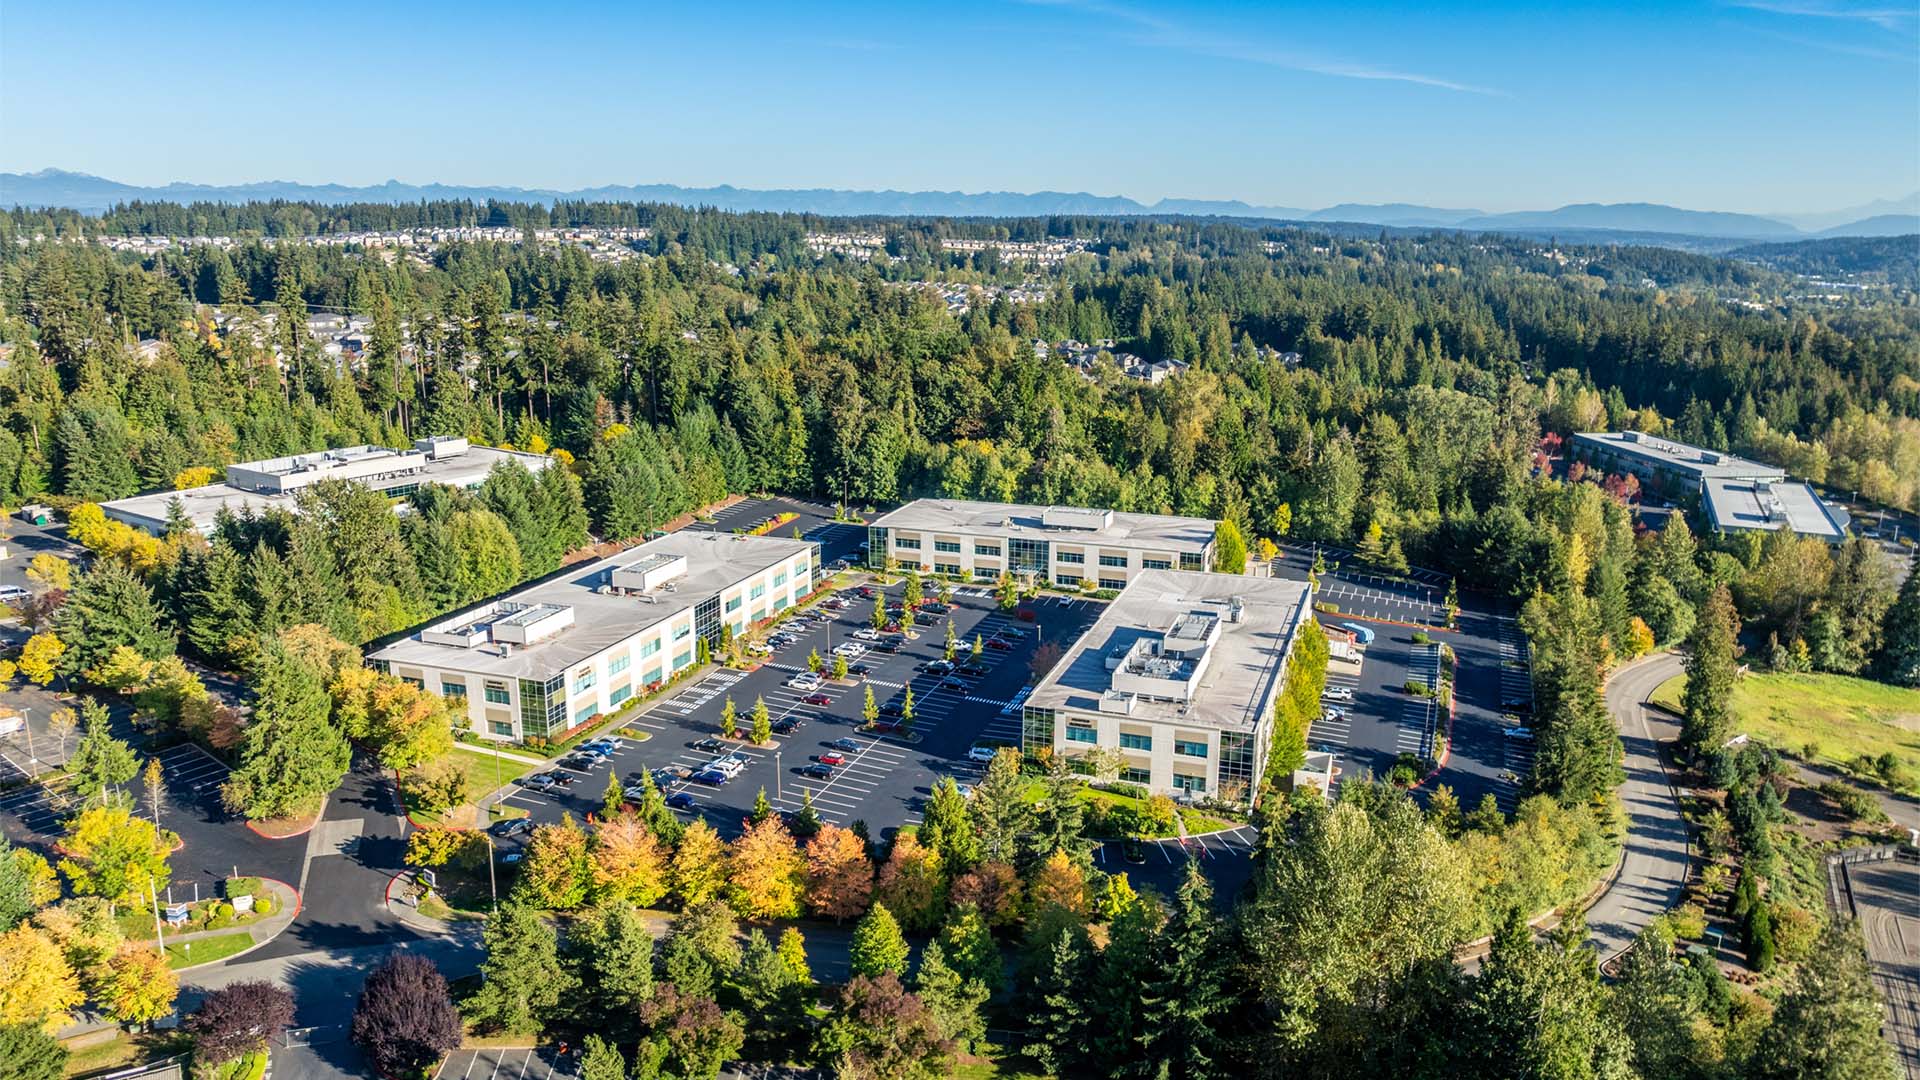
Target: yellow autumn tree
[
  {"x": 139, "y": 987},
  {"x": 768, "y": 874},
  {"x": 36, "y": 984},
  {"x": 629, "y": 862},
  {"x": 699, "y": 868},
  {"x": 39, "y": 656}
]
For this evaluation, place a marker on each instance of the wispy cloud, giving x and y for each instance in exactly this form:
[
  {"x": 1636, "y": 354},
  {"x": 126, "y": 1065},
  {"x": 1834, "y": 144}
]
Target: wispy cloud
[
  {"x": 1842, "y": 48},
  {"x": 1887, "y": 18},
  {"x": 1145, "y": 28}
]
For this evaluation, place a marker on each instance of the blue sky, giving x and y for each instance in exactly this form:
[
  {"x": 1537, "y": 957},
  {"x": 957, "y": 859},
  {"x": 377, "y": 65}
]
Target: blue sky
[{"x": 1757, "y": 105}]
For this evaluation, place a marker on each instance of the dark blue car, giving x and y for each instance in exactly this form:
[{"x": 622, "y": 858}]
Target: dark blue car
[{"x": 680, "y": 800}]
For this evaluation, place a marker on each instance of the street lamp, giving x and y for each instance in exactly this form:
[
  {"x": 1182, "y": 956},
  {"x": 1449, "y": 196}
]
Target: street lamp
[{"x": 779, "y": 776}]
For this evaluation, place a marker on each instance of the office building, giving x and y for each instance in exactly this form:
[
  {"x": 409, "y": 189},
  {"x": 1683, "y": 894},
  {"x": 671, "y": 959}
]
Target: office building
[
  {"x": 1672, "y": 469},
  {"x": 557, "y": 654},
  {"x": 1737, "y": 506},
  {"x": 1059, "y": 545},
  {"x": 276, "y": 482},
  {"x": 1179, "y": 674}
]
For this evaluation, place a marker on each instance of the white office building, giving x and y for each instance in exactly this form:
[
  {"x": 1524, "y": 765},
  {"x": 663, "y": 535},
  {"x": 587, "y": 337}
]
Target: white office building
[
  {"x": 276, "y": 482},
  {"x": 1179, "y": 674},
  {"x": 1060, "y": 545},
  {"x": 553, "y": 656},
  {"x": 1737, "y": 506}
]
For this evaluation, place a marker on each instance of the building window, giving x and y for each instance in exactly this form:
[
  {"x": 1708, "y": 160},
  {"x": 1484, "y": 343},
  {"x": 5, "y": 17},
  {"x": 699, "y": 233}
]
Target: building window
[
  {"x": 417, "y": 684},
  {"x": 619, "y": 663},
  {"x": 652, "y": 675},
  {"x": 780, "y": 602},
  {"x": 497, "y": 693},
  {"x": 757, "y": 590},
  {"x": 1135, "y": 742},
  {"x": 1115, "y": 584},
  {"x": 733, "y": 605},
  {"x": 985, "y": 573},
  {"x": 501, "y": 727},
  {"x": 1036, "y": 729},
  {"x": 543, "y": 706},
  {"x": 1135, "y": 776},
  {"x": 1066, "y": 579},
  {"x": 683, "y": 660},
  {"x": 585, "y": 713},
  {"x": 1193, "y": 784},
  {"x": 452, "y": 689},
  {"x": 947, "y": 547},
  {"x": 1155, "y": 564},
  {"x": 381, "y": 666},
  {"x": 1192, "y": 561},
  {"x": 1027, "y": 556},
  {"x": 906, "y": 543},
  {"x": 680, "y": 632},
  {"x": 1186, "y": 748},
  {"x": 987, "y": 549},
  {"x": 946, "y": 568},
  {"x": 1082, "y": 734},
  {"x": 648, "y": 648},
  {"x": 583, "y": 680},
  {"x": 1113, "y": 560},
  {"x": 1236, "y": 767},
  {"x": 779, "y": 579},
  {"x": 1073, "y": 557},
  {"x": 876, "y": 546},
  {"x": 619, "y": 694}
]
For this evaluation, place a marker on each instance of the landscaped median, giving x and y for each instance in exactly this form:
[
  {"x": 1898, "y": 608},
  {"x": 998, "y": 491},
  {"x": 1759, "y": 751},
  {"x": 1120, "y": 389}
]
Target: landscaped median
[{"x": 250, "y": 911}]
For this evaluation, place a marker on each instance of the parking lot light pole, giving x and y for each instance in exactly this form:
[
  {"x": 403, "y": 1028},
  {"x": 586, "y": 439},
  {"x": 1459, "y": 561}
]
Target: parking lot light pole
[
  {"x": 493, "y": 889},
  {"x": 779, "y": 776}
]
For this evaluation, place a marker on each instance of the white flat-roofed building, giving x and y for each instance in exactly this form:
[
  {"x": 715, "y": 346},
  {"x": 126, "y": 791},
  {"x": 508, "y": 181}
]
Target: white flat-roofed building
[
  {"x": 1734, "y": 506},
  {"x": 553, "y": 656},
  {"x": 1062, "y": 545},
  {"x": 1179, "y": 674},
  {"x": 276, "y": 482},
  {"x": 1666, "y": 466}
]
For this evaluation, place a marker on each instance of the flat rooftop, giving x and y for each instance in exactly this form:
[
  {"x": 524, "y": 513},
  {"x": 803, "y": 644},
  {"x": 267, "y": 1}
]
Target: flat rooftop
[
  {"x": 202, "y": 504},
  {"x": 1679, "y": 456},
  {"x": 1745, "y": 505},
  {"x": 601, "y": 620},
  {"x": 1177, "y": 611},
  {"x": 1065, "y": 523}
]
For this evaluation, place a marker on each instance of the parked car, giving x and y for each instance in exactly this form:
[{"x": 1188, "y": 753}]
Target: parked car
[
  {"x": 511, "y": 827},
  {"x": 1338, "y": 693},
  {"x": 866, "y": 591},
  {"x": 634, "y": 792},
  {"x": 892, "y": 708},
  {"x": 1132, "y": 850},
  {"x": 1518, "y": 733},
  {"x": 846, "y": 744},
  {"x": 999, "y": 644},
  {"x": 938, "y": 667},
  {"x": 13, "y": 594},
  {"x": 859, "y": 671},
  {"x": 759, "y": 648},
  {"x": 887, "y": 647},
  {"x": 709, "y": 745},
  {"x": 806, "y": 680},
  {"x": 965, "y": 789},
  {"x": 849, "y": 649},
  {"x": 1331, "y": 713},
  {"x": 582, "y": 762},
  {"x": 564, "y": 779},
  {"x": 831, "y": 757},
  {"x": 539, "y": 782},
  {"x": 786, "y": 725},
  {"x": 609, "y": 743},
  {"x": 818, "y": 771},
  {"x": 955, "y": 684},
  {"x": 1010, "y": 633},
  {"x": 974, "y": 671},
  {"x": 667, "y": 774},
  {"x": 867, "y": 633},
  {"x": 725, "y": 765},
  {"x": 818, "y": 699},
  {"x": 935, "y": 607},
  {"x": 982, "y": 753},
  {"x": 710, "y": 777},
  {"x": 680, "y": 800}
]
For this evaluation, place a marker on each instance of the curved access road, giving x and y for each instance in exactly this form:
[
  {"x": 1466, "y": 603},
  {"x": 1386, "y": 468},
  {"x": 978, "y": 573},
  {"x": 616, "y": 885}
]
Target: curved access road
[{"x": 1653, "y": 873}]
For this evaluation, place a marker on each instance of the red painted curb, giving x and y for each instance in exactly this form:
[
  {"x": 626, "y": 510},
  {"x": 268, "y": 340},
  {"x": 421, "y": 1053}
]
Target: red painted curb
[{"x": 299, "y": 901}]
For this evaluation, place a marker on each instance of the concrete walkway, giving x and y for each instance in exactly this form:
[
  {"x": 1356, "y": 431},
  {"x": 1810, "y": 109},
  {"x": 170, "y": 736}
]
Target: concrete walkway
[{"x": 1653, "y": 870}]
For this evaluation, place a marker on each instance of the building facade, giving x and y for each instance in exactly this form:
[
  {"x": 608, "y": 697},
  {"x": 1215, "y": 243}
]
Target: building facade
[
  {"x": 277, "y": 482},
  {"x": 1673, "y": 469},
  {"x": 1058, "y": 545},
  {"x": 1178, "y": 675},
  {"x": 556, "y": 655}
]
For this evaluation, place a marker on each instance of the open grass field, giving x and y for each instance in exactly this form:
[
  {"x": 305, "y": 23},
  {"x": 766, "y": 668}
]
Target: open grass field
[
  {"x": 1826, "y": 719},
  {"x": 484, "y": 771},
  {"x": 206, "y": 950}
]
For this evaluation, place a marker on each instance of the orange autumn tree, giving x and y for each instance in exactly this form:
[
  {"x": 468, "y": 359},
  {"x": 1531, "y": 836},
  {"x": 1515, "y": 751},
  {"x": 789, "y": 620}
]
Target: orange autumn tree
[
  {"x": 912, "y": 884},
  {"x": 839, "y": 877},
  {"x": 629, "y": 862},
  {"x": 769, "y": 876}
]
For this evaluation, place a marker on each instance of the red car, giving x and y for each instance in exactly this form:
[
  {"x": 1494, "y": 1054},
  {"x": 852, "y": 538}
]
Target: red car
[
  {"x": 999, "y": 644},
  {"x": 818, "y": 699},
  {"x": 832, "y": 757}
]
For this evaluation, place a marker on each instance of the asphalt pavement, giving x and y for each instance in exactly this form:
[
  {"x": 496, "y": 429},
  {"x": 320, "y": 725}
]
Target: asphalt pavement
[{"x": 1653, "y": 874}]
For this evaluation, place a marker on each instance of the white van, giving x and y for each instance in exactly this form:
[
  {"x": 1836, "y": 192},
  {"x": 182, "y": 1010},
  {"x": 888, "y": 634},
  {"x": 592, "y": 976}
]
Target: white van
[{"x": 12, "y": 723}]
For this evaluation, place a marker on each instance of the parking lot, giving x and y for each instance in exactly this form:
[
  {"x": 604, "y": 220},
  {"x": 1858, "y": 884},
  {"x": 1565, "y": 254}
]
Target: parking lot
[
  {"x": 543, "y": 1063},
  {"x": 881, "y": 779},
  {"x": 837, "y": 539},
  {"x": 1419, "y": 597},
  {"x": 1380, "y": 721}
]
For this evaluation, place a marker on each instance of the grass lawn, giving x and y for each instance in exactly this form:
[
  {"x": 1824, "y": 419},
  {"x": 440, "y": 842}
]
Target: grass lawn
[
  {"x": 206, "y": 950},
  {"x": 485, "y": 772},
  {"x": 124, "y": 1049},
  {"x": 1201, "y": 822},
  {"x": 1828, "y": 719}
]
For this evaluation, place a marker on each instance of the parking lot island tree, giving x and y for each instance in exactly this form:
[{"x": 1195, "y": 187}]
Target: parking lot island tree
[
  {"x": 870, "y": 709},
  {"x": 952, "y": 647},
  {"x": 729, "y": 719},
  {"x": 762, "y": 732},
  {"x": 767, "y": 874},
  {"x": 878, "y": 620},
  {"x": 291, "y": 754}
]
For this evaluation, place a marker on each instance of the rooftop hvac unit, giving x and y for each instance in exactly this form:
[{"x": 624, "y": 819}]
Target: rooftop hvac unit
[{"x": 505, "y": 649}]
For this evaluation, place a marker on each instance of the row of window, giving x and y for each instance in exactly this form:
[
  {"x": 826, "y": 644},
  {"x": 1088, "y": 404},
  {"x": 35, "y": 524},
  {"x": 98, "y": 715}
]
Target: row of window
[
  {"x": 1133, "y": 741},
  {"x": 947, "y": 547},
  {"x": 906, "y": 543},
  {"x": 946, "y": 568}
]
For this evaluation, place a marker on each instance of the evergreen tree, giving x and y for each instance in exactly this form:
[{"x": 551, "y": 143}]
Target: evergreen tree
[
  {"x": 291, "y": 754},
  {"x": 1058, "y": 1023},
  {"x": 1899, "y": 659},
  {"x": 1706, "y": 705},
  {"x": 1827, "y": 1024},
  {"x": 1184, "y": 998},
  {"x": 110, "y": 607},
  {"x": 954, "y": 1000},
  {"x": 878, "y": 948},
  {"x": 521, "y": 979}
]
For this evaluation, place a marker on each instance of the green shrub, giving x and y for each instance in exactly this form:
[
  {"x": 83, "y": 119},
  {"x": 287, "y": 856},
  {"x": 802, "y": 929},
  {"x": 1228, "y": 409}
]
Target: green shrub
[
  {"x": 1421, "y": 637},
  {"x": 242, "y": 886},
  {"x": 1326, "y": 607},
  {"x": 1759, "y": 934},
  {"x": 1418, "y": 688},
  {"x": 263, "y": 906},
  {"x": 1856, "y": 804},
  {"x": 1688, "y": 921},
  {"x": 218, "y": 910}
]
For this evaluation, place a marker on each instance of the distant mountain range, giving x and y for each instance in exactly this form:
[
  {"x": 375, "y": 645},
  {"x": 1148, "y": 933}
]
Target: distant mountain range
[{"x": 1895, "y": 217}]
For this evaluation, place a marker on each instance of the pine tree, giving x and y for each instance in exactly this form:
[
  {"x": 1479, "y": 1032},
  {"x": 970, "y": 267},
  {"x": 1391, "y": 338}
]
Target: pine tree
[
  {"x": 1899, "y": 659},
  {"x": 1706, "y": 705},
  {"x": 954, "y": 1000},
  {"x": 521, "y": 978},
  {"x": 291, "y": 754},
  {"x": 878, "y": 947},
  {"x": 1058, "y": 1022},
  {"x": 1827, "y": 1024},
  {"x": 1184, "y": 996}
]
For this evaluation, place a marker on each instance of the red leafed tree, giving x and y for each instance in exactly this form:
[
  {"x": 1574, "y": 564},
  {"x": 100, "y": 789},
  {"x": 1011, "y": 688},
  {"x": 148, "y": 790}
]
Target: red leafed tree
[{"x": 405, "y": 1022}]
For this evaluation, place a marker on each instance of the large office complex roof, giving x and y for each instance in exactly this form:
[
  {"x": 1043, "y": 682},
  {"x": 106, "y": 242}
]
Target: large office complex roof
[
  {"x": 1678, "y": 457},
  {"x": 584, "y": 610},
  {"x": 276, "y": 482},
  {"x": 1183, "y": 647},
  {"x": 1747, "y": 505},
  {"x": 1066, "y": 523}
]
